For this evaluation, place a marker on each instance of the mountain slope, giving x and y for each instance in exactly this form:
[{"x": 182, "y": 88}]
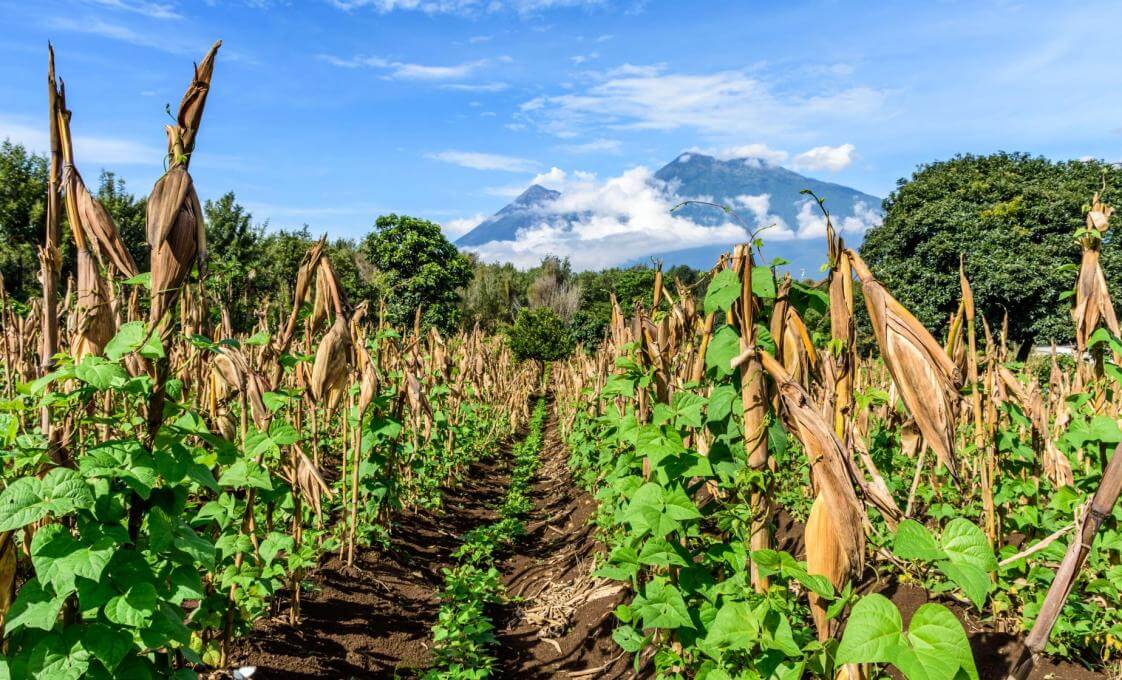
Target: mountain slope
[
  {"x": 763, "y": 195},
  {"x": 504, "y": 225}
]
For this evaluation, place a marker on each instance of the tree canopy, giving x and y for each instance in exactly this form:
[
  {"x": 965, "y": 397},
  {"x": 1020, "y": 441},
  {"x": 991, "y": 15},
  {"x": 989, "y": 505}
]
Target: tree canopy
[
  {"x": 417, "y": 268},
  {"x": 23, "y": 190},
  {"x": 1013, "y": 217},
  {"x": 540, "y": 334}
]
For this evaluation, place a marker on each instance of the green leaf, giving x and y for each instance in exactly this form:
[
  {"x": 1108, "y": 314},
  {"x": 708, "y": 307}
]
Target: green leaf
[
  {"x": 58, "y": 558},
  {"x": 109, "y": 645},
  {"x": 34, "y": 607},
  {"x": 141, "y": 279},
  {"x": 723, "y": 348},
  {"x": 938, "y": 646},
  {"x": 935, "y": 648},
  {"x": 126, "y": 341},
  {"x": 20, "y": 504},
  {"x": 723, "y": 291},
  {"x": 29, "y": 499},
  {"x": 100, "y": 373},
  {"x": 873, "y": 632},
  {"x": 246, "y": 473},
  {"x": 763, "y": 283},
  {"x": 258, "y": 338},
  {"x": 734, "y": 627},
  {"x": 914, "y": 542},
  {"x": 970, "y": 560},
  {"x": 59, "y": 657},
  {"x": 135, "y": 608},
  {"x": 661, "y": 606},
  {"x": 629, "y": 639},
  {"x": 660, "y": 552}
]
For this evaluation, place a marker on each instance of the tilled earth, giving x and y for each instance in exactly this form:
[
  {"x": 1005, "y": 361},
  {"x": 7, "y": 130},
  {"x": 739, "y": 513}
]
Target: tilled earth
[{"x": 374, "y": 620}]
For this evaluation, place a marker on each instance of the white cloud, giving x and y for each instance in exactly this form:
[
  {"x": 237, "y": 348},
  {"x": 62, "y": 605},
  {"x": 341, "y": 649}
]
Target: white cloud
[
  {"x": 165, "y": 40},
  {"x": 755, "y": 150},
  {"x": 774, "y": 227},
  {"x": 579, "y": 59},
  {"x": 454, "y": 229},
  {"x": 723, "y": 103},
  {"x": 401, "y": 70},
  {"x": 152, "y": 10},
  {"x": 484, "y": 161},
  {"x": 477, "y": 87},
  {"x": 89, "y": 150},
  {"x": 601, "y": 145},
  {"x": 105, "y": 29},
  {"x": 621, "y": 219},
  {"x": 812, "y": 223},
  {"x": 831, "y": 158},
  {"x": 461, "y": 6}
]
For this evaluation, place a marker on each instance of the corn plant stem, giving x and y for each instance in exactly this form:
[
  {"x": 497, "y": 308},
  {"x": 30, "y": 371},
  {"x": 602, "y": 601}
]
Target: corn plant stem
[
  {"x": 1102, "y": 503},
  {"x": 49, "y": 257},
  {"x": 915, "y": 479}
]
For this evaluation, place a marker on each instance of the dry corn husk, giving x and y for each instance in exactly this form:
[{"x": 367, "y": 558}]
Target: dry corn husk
[
  {"x": 176, "y": 228},
  {"x": 7, "y": 573},
  {"x": 843, "y": 334},
  {"x": 101, "y": 230},
  {"x": 308, "y": 479},
  {"x": 926, "y": 377},
  {"x": 793, "y": 346},
  {"x": 1092, "y": 299},
  {"x": 332, "y": 365},
  {"x": 835, "y": 538}
]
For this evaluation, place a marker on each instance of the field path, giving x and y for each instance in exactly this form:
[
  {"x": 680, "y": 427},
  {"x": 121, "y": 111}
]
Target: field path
[
  {"x": 561, "y": 623},
  {"x": 374, "y": 620}
]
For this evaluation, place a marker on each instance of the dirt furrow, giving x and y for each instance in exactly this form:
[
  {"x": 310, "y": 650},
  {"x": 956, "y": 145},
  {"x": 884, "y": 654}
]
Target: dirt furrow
[
  {"x": 374, "y": 620},
  {"x": 560, "y": 622}
]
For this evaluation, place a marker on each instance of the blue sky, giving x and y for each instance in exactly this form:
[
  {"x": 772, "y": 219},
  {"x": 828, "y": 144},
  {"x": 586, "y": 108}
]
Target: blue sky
[{"x": 330, "y": 112}]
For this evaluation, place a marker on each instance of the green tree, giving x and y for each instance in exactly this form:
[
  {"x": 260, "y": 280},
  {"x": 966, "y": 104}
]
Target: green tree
[
  {"x": 493, "y": 294},
  {"x": 418, "y": 269},
  {"x": 1013, "y": 217},
  {"x": 129, "y": 213},
  {"x": 233, "y": 258},
  {"x": 540, "y": 334},
  {"x": 23, "y": 192}
]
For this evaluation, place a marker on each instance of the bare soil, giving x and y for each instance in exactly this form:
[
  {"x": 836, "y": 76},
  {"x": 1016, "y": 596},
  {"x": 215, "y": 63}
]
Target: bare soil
[
  {"x": 374, "y": 620},
  {"x": 563, "y": 624}
]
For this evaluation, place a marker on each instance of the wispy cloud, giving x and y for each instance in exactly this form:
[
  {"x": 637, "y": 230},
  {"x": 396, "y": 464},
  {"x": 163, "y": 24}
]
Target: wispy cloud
[
  {"x": 462, "y": 6},
  {"x": 152, "y": 10},
  {"x": 720, "y": 104},
  {"x": 831, "y": 158},
  {"x": 753, "y": 150},
  {"x": 120, "y": 32},
  {"x": 485, "y": 161},
  {"x": 496, "y": 86},
  {"x": 456, "y": 228},
  {"x": 601, "y": 145},
  {"x": 90, "y": 151},
  {"x": 605, "y": 223},
  {"x": 164, "y": 41},
  {"x": 407, "y": 71}
]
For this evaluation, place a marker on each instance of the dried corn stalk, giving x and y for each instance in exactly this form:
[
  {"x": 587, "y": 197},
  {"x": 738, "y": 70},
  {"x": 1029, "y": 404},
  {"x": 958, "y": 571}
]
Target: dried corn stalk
[
  {"x": 926, "y": 377},
  {"x": 176, "y": 229},
  {"x": 835, "y": 539},
  {"x": 1092, "y": 303}
]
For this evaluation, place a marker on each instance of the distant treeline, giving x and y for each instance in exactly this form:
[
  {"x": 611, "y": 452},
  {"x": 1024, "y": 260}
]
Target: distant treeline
[
  {"x": 1012, "y": 217},
  {"x": 252, "y": 266}
]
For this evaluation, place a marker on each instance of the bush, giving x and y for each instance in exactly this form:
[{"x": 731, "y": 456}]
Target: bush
[{"x": 540, "y": 334}]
